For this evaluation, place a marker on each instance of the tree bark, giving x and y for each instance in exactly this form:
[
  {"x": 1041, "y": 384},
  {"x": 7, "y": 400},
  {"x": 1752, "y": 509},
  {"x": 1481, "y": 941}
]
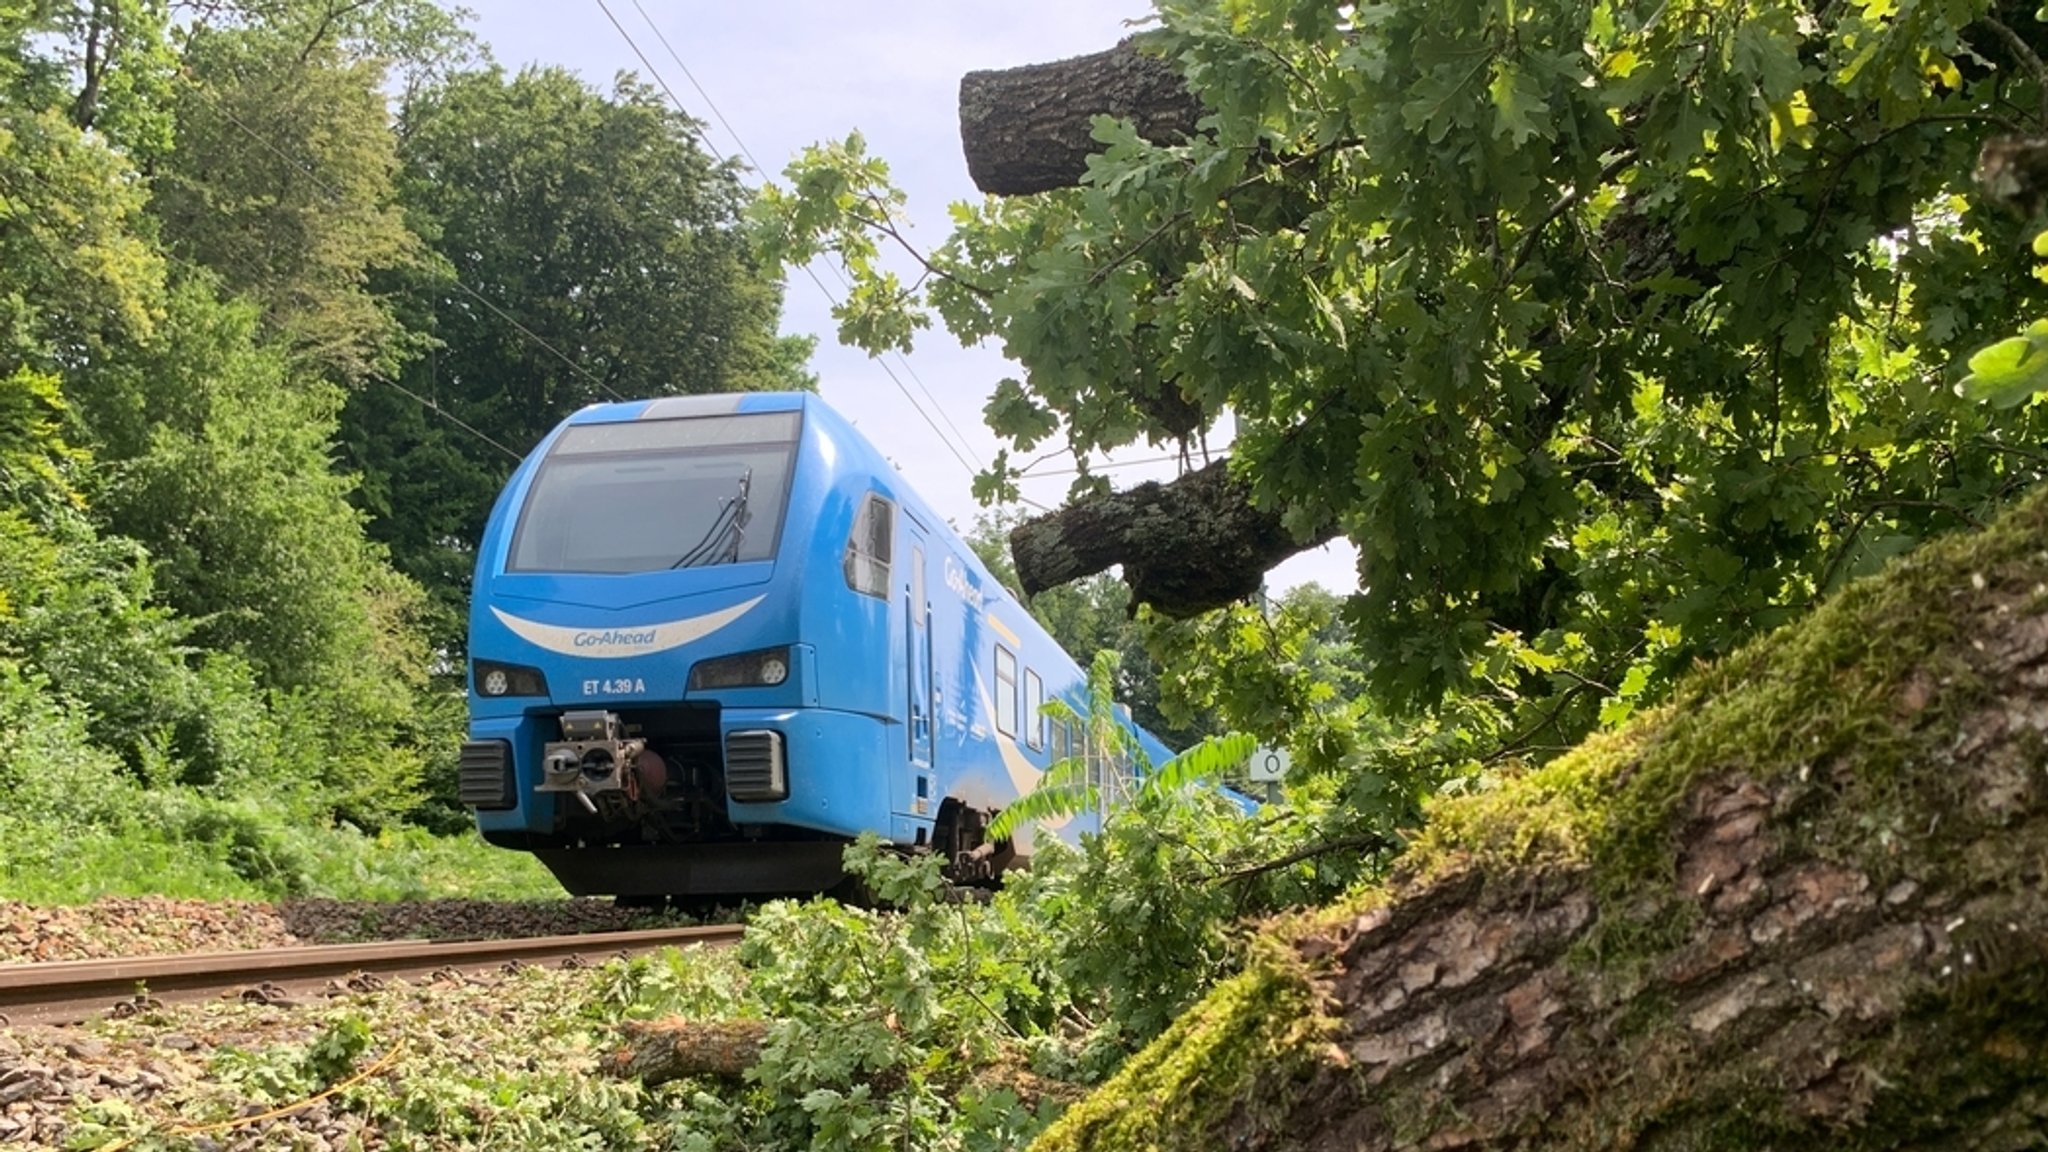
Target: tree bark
[
  {"x": 1026, "y": 129},
  {"x": 658, "y": 1051},
  {"x": 1842, "y": 940},
  {"x": 1186, "y": 547}
]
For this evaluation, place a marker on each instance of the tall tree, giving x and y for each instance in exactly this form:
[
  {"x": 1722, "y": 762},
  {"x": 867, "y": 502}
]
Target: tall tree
[
  {"x": 192, "y": 575},
  {"x": 589, "y": 251},
  {"x": 284, "y": 184},
  {"x": 76, "y": 273}
]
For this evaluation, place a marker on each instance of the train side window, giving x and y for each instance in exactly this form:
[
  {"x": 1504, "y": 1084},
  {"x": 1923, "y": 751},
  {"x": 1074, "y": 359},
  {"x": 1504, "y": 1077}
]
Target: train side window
[
  {"x": 1034, "y": 719},
  {"x": 1059, "y": 738},
  {"x": 1006, "y": 691},
  {"x": 867, "y": 549}
]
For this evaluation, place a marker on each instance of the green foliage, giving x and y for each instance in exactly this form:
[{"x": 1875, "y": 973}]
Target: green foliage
[
  {"x": 942, "y": 1023},
  {"x": 2011, "y": 371},
  {"x": 224, "y": 473},
  {"x": 2014, "y": 370},
  {"x": 882, "y": 1019},
  {"x": 284, "y": 185},
  {"x": 1113, "y": 759},
  {"x": 76, "y": 275},
  {"x": 1612, "y": 334}
]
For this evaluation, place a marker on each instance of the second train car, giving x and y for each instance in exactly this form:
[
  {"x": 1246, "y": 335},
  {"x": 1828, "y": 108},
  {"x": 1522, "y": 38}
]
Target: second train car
[{"x": 714, "y": 638}]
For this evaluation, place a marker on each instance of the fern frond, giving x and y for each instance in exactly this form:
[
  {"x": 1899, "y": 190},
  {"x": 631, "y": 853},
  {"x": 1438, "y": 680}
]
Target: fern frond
[
  {"x": 1043, "y": 803},
  {"x": 1214, "y": 756}
]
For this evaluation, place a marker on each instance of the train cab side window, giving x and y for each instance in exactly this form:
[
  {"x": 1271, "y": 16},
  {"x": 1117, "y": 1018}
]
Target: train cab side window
[
  {"x": 1006, "y": 691},
  {"x": 1061, "y": 749},
  {"x": 1034, "y": 719},
  {"x": 867, "y": 549}
]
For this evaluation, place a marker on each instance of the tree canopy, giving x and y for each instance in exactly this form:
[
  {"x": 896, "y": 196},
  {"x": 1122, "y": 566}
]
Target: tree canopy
[
  {"x": 284, "y": 287},
  {"x": 1611, "y": 333}
]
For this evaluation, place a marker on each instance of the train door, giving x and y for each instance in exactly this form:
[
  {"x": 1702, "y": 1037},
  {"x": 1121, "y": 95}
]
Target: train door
[{"x": 921, "y": 712}]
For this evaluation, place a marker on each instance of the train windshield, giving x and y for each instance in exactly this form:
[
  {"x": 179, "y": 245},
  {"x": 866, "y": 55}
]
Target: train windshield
[{"x": 651, "y": 495}]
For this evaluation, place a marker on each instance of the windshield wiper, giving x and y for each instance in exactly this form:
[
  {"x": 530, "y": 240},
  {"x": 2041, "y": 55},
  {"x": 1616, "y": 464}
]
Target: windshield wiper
[{"x": 721, "y": 542}]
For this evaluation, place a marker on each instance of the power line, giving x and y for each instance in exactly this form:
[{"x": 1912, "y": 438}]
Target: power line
[
  {"x": 660, "y": 80},
  {"x": 1028, "y": 474},
  {"x": 763, "y": 170},
  {"x": 436, "y": 408}
]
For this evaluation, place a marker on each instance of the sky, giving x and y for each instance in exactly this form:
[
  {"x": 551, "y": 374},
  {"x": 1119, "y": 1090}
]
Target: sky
[{"x": 771, "y": 77}]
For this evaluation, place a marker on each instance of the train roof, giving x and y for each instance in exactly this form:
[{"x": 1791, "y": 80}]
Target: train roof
[{"x": 706, "y": 404}]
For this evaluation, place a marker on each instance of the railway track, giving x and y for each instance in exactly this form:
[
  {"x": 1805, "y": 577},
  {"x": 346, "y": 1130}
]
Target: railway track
[{"x": 74, "y": 990}]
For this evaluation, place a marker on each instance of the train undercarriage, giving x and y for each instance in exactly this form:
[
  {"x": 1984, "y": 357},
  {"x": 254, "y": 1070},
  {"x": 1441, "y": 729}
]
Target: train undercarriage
[{"x": 642, "y": 811}]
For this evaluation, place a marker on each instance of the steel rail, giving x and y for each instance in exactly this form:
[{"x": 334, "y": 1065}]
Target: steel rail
[{"x": 72, "y": 990}]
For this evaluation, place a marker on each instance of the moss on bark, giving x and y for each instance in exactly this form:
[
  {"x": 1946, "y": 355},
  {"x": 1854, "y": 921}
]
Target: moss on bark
[{"x": 1802, "y": 902}]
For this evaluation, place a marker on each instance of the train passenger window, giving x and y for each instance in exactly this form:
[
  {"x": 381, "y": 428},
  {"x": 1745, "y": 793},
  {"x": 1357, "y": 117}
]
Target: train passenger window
[
  {"x": 1060, "y": 749},
  {"x": 1006, "y": 691},
  {"x": 867, "y": 549},
  {"x": 1034, "y": 701}
]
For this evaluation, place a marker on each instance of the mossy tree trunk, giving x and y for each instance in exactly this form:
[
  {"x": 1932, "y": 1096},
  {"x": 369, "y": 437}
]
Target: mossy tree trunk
[{"x": 1802, "y": 907}]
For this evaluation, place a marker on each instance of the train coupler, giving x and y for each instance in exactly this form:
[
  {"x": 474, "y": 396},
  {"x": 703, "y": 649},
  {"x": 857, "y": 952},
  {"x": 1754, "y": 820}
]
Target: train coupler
[{"x": 602, "y": 766}]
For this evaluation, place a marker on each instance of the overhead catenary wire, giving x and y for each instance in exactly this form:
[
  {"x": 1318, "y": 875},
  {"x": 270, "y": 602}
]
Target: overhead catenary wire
[
  {"x": 761, "y": 168},
  {"x": 1106, "y": 466},
  {"x": 661, "y": 81},
  {"x": 435, "y": 407}
]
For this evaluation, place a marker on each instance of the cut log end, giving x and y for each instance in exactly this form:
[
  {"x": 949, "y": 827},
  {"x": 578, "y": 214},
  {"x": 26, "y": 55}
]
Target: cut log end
[
  {"x": 1028, "y": 129},
  {"x": 658, "y": 1051}
]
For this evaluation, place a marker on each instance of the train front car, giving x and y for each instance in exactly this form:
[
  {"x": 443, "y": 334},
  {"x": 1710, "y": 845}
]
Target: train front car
[{"x": 649, "y": 712}]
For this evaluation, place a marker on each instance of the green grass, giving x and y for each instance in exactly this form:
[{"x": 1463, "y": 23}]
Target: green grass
[{"x": 182, "y": 845}]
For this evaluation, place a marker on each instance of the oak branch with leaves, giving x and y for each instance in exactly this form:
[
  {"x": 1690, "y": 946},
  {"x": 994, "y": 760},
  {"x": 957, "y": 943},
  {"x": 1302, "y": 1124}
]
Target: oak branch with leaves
[{"x": 1610, "y": 333}]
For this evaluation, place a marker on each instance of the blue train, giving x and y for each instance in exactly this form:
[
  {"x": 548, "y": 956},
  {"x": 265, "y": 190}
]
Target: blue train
[{"x": 714, "y": 638}]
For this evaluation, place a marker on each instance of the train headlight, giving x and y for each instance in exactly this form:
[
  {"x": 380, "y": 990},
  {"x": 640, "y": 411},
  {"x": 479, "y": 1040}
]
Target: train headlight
[
  {"x": 763, "y": 669},
  {"x": 495, "y": 679}
]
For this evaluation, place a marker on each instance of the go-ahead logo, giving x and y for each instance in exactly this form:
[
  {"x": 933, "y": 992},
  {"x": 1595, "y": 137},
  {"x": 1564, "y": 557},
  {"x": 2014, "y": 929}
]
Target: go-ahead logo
[
  {"x": 607, "y": 643},
  {"x": 640, "y": 639}
]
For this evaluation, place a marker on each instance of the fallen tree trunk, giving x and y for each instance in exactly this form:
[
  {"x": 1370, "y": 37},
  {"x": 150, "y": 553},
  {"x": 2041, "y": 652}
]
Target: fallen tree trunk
[
  {"x": 658, "y": 1051},
  {"x": 1186, "y": 547},
  {"x": 1801, "y": 907},
  {"x": 1026, "y": 129}
]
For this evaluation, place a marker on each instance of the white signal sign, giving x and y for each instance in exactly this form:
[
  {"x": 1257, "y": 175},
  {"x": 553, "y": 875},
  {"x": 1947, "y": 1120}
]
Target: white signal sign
[{"x": 1269, "y": 765}]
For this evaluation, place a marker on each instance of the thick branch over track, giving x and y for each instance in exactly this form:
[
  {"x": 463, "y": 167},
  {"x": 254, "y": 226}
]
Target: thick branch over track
[
  {"x": 1027, "y": 129},
  {"x": 1186, "y": 547}
]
